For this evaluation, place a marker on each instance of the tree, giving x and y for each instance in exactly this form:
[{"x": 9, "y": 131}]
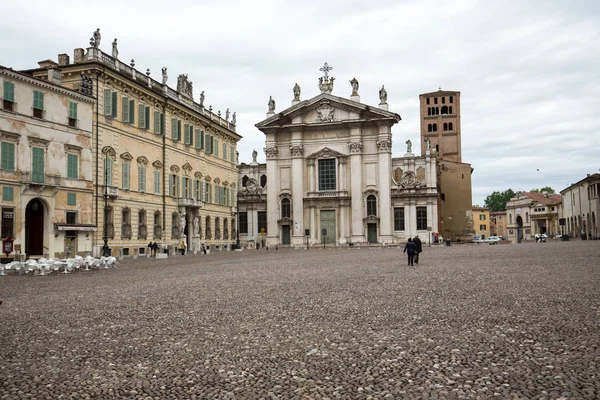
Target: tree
[
  {"x": 547, "y": 189},
  {"x": 497, "y": 200}
]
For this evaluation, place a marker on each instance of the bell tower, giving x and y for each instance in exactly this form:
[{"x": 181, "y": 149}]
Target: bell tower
[{"x": 440, "y": 123}]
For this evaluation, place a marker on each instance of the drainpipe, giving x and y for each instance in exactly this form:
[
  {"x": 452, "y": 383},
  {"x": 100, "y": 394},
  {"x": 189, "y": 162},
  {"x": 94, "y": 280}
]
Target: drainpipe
[{"x": 164, "y": 157}]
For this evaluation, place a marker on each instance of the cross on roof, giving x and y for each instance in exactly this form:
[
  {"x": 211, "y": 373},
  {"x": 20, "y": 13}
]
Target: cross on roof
[{"x": 326, "y": 68}]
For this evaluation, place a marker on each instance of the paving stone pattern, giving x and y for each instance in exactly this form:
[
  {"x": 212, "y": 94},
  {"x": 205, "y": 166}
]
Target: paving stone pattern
[{"x": 470, "y": 322}]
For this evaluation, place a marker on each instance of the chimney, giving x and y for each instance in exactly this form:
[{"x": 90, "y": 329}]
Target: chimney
[
  {"x": 54, "y": 76},
  {"x": 47, "y": 64},
  {"x": 63, "y": 59},
  {"x": 78, "y": 57}
]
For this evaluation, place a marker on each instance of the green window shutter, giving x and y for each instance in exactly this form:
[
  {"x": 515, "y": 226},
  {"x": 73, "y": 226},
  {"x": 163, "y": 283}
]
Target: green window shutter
[
  {"x": 108, "y": 164},
  {"x": 8, "y": 156},
  {"x": 224, "y": 152},
  {"x": 126, "y": 109},
  {"x": 191, "y": 135},
  {"x": 141, "y": 178},
  {"x": 147, "y": 118},
  {"x": 195, "y": 189},
  {"x": 107, "y": 103},
  {"x": 114, "y": 104},
  {"x": 72, "y": 166},
  {"x": 131, "y": 111},
  {"x": 125, "y": 176},
  {"x": 201, "y": 140},
  {"x": 162, "y": 123},
  {"x": 72, "y": 110},
  {"x": 38, "y": 100},
  {"x": 170, "y": 185},
  {"x": 156, "y": 122},
  {"x": 37, "y": 165},
  {"x": 71, "y": 199},
  {"x": 197, "y": 139},
  {"x": 156, "y": 182},
  {"x": 9, "y": 91},
  {"x": 216, "y": 148},
  {"x": 8, "y": 193},
  {"x": 142, "y": 116},
  {"x": 178, "y": 129},
  {"x": 174, "y": 129},
  {"x": 178, "y": 187},
  {"x": 186, "y": 134},
  {"x": 232, "y": 158}
]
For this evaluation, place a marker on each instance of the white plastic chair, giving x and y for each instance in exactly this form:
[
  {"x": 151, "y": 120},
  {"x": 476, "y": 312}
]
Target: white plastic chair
[{"x": 31, "y": 266}]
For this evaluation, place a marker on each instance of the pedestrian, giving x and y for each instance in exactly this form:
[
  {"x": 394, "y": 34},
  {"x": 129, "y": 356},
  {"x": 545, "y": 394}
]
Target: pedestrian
[
  {"x": 410, "y": 249},
  {"x": 151, "y": 248},
  {"x": 203, "y": 249},
  {"x": 155, "y": 248},
  {"x": 419, "y": 247},
  {"x": 182, "y": 248}
]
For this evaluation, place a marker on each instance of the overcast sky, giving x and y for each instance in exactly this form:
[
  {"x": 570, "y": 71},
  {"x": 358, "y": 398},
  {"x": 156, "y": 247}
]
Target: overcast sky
[{"x": 528, "y": 71}]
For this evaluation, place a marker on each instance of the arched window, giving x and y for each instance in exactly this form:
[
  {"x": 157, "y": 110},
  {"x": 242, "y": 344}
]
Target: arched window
[
  {"x": 429, "y": 128},
  {"x": 437, "y": 148},
  {"x": 445, "y": 126},
  {"x": 509, "y": 215},
  {"x": 443, "y": 100},
  {"x": 428, "y": 100},
  {"x": 444, "y": 110},
  {"x": 263, "y": 180},
  {"x": 526, "y": 217},
  {"x": 437, "y": 111},
  {"x": 428, "y": 110},
  {"x": 398, "y": 174},
  {"x": 175, "y": 225},
  {"x": 451, "y": 99},
  {"x": 233, "y": 232},
  {"x": 244, "y": 181},
  {"x": 286, "y": 211},
  {"x": 435, "y": 100},
  {"x": 217, "y": 228},
  {"x": 371, "y": 205},
  {"x": 142, "y": 228},
  {"x": 435, "y": 127},
  {"x": 126, "y": 223},
  {"x": 450, "y": 110},
  {"x": 450, "y": 126},
  {"x": 225, "y": 229},
  {"x": 157, "y": 225},
  {"x": 207, "y": 232}
]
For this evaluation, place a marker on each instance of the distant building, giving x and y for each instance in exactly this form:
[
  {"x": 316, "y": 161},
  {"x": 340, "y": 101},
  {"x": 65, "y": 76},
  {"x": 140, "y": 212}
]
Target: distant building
[
  {"x": 531, "y": 213},
  {"x": 46, "y": 174},
  {"x": 581, "y": 207},
  {"x": 498, "y": 222},
  {"x": 481, "y": 222},
  {"x": 441, "y": 126},
  {"x": 252, "y": 203}
]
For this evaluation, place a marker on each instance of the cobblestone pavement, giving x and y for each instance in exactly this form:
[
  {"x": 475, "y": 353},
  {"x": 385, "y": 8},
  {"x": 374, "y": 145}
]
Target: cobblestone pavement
[{"x": 472, "y": 321}]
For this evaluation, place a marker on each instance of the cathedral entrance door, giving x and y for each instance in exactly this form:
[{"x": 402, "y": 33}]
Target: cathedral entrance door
[
  {"x": 328, "y": 222},
  {"x": 372, "y": 233},
  {"x": 34, "y": 228},
  {"x": 285, "y": 234}
]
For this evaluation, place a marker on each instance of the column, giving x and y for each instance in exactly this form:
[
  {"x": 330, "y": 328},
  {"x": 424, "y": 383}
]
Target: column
[
  {"x": 313, "y": 224},
  {"x": 297, "y": 153},
  {"x": 342, "y": 233},
  {"x": 384, "y": 147},
  {"x": 311, "y": 174},
  {"x": 357, "y": 233},
  {"x": 272, "y": 154}
]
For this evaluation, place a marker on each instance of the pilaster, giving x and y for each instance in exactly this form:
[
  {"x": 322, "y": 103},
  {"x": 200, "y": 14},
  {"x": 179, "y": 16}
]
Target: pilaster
[
  {"x": 297, "y": 153},
  {"x": 272, "y": 154},
  {"x": 356, "y": 212},
  {"x": 384, "y": 148}
]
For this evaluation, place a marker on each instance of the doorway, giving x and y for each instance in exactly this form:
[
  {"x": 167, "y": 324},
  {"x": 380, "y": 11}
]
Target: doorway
[
  {"x": 34, "y": 228},
  {"x": 285, "y": 234},
  {"x": 519, "y": 229},
  {"x": 372, "y": 233},
  {"x": 328, "y": 223}
]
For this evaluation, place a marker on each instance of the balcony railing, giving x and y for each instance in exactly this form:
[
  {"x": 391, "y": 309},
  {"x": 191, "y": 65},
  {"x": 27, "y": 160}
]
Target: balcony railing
[
  {"x": 157, "y": 232},
  {"x": 187, "y": 202},
  {"x": 142, "y": 231},
  {"x": 208, "y": 234},
  {"x": 111, "y": 191},
  {"x": 327, "y": 193},
  {"x": 217, "y": 234},
  {"x": 126, "y": 231},
  {"x": 40, "y": 179},
  {"x": 226, "y": 235}
]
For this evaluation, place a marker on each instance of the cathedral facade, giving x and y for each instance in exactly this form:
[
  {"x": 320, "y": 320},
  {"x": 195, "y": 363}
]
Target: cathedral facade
[{"x": 330, "y": 177}]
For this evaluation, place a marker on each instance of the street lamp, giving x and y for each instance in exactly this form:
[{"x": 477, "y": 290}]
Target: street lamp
[{"x": 105, "y": 248}]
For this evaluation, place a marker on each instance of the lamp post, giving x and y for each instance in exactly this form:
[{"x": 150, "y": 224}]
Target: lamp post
[{"x": 105, "y": 248}]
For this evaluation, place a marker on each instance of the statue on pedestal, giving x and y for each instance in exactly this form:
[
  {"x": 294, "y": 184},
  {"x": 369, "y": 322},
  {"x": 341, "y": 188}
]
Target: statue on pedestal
[
  {"x": 254, "y": 155},
  {"x": 202, "y": 99},
  {"x": 354, "y": 84},
  {"x": 227, "y": 114},
  {"x": 296, "y": 92},
  {"x": 115, "y": 51},
  {"x": 408, "y": 146},
  {"x": 271, "y": 104},
  {"x": 182, "y": 223},
  {"x": 196, "y": 225},
  {"x": 233, "y": 118},
  {"x": 383, "y": 94},
  {"x": 164, "y": 75},
  {"x": 97, "y": 37}
]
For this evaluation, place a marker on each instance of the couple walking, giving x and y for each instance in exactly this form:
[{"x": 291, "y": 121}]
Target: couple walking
[{"x": 413, "y": 248}]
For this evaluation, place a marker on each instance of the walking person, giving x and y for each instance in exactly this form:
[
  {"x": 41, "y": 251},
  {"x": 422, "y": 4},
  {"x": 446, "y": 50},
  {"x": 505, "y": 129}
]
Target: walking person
[
  {"x": 410, "y": 249},
  {"x": 419, "y": 247}
]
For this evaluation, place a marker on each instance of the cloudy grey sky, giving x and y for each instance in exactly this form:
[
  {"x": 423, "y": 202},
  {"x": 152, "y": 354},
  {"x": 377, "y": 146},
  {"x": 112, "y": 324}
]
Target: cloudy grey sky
[{"x": 528, "y": 71}]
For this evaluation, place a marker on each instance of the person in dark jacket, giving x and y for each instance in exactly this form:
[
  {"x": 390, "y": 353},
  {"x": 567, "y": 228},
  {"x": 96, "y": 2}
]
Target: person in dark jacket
[
  {"x": 419, "y": 247},
  {"x": 410, "y": 249}
]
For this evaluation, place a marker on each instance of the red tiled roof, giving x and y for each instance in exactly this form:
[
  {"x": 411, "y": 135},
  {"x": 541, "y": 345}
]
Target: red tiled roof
[{"x": 542, "y": 199}]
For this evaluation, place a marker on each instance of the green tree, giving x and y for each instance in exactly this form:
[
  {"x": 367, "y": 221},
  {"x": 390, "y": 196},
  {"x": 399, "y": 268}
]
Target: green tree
[
  {"x": 497, "y": 200},
  {"x": 544, "y": 189}
]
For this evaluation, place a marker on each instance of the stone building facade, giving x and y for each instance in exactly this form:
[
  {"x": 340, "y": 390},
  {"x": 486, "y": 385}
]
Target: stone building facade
[
  {"x": 440, "y": 115},
  {"x": 498, "y": 223},
  {"x": 332, "y": 179},
  {"x": 46, "y": 173},
  {"x": 531, "y": 213},
  {"x": 481, "y": 222},
  {"x": 581, "y": 207},
  {"x": 252, "y": 203},
  {"x": 164, "y": 165}
]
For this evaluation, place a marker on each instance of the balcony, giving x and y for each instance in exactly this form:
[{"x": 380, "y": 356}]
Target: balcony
[
  {"x": 327, "y": 194},
  {"x": 39, "y": 179},
  {"x": 111, "y": 191},
  {"x": 187, "y": 202}
]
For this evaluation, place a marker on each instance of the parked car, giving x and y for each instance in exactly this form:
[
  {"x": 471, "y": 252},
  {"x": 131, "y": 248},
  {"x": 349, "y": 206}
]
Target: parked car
[
  {"x": 489, "y": 240},
  {"x": 541, "y": 238}
]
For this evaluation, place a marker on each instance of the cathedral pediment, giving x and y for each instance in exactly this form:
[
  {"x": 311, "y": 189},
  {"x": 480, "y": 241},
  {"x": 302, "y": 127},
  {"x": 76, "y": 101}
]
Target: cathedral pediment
[
  {"x": 326, "y": 152},
  {"x": 327, "y": 109}
]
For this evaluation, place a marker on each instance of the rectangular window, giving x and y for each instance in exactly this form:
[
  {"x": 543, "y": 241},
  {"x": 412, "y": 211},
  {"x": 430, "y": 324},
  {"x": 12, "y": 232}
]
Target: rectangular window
[
  {"x": 243, "y": 220},
  {"x": 9, "y": 96},
  {"x": 72, "y": 166},
  {"x": 482, "y": 227},
  {"x": 110, "y": 103},
  {"x": 72, "y": 114},
  {"x": 232, "y": 155},
  {"x": 71, "y": 199},
  {"x": 262, "y": 221},
  {"x": 399, "y": 219},
  {"x": 108, "y": 166},
  {"x": 8, "y": 193},
  {"x": 421, "y": 218},
  {"x": 175, "y": 129},
  {"x": 224, "y": 152},
  {"x": 187, "y": 134},
  {"x": 327, "y": 174},
  {"x": 71, "y": 217},
  {"x": 7, "y": 156},
  {"x": 38, "y": 104},
  {"x": 37, "y": 165},
  {"x": 481, "y": 217},
  {"x": 8, "y": 221},
  {"x": 126, "y": 109},
  {"x": 195, "y": 190},
  {"x": 142, "y": 116},
  {"x": 141, "y": 178},
  {"x": 185, "y": 187},
  {"x": 125, "y": 176},
  {"x": 199, "y": 139},
  {"x": 158, "y": 122},
  {"x": 173, "y": 185},
  {"x": 216, "y": 147},
  {"x": 157, "y": 182}
]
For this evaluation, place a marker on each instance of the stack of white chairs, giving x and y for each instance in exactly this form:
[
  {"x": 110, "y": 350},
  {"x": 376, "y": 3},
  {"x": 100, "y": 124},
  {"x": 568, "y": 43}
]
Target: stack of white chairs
[
  {"x": 31, "y": 266},
  {"x": 45, "y": 266}
]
